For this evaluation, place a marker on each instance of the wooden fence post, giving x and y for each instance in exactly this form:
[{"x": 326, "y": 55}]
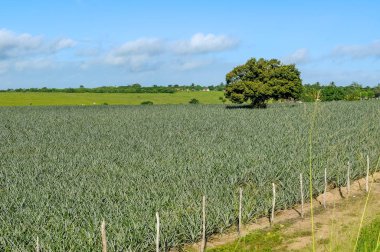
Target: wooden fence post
[
  {"x": 325, "y": 190},
  {"x": 302, "y": 196},
  {"x": 273, "y": 202},
  {"x": 240, "y": 209},
  {"x": 203, "y": 245},
  {"x": 37, "y": 245},
  {"x": 104, "y": 238},
  {"x": 158, "y": 232},
  {"x": 348, "y": 179},
  {"x": 367, "y": 177}
]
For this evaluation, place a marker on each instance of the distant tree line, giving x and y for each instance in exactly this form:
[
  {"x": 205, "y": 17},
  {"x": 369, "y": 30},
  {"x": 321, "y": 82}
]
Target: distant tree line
[
  {"x": 310, "y": 92},
  {"x": 331, "y": 92},
  {"x": 134, "y": 88},
  {"x": 197, "y": 87}
]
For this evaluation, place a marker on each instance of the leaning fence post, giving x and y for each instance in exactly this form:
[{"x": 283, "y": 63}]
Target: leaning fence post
[
  {"x": 158, "y": 232},
  {"x": 324, "y": 193},
  {"x": 203, "y": 245},
  {"x": 104, "y": 238},
  {"x": 240, "y": 209},
  {"x": 367, "y": 177},
  {"x": 348, "y": 178},
  {"x": 301, "y": 187},
  {"x": 273, "y": 202},
  {"x": 37, "y": 245}
]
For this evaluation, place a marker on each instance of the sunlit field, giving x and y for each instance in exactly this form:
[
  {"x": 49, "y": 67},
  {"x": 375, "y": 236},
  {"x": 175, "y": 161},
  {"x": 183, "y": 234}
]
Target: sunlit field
[
  {"x": 37, "y": 99},
  {"x": 65, "y": 169}
]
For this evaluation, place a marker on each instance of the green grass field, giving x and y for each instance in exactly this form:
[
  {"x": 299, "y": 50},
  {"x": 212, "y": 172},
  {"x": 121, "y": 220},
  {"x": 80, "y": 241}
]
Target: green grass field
[{"x": 27, "y": 99}]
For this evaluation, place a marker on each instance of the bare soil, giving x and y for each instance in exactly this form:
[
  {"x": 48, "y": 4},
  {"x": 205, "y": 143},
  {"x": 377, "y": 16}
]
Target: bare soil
[{"x": 336, "y": 226}]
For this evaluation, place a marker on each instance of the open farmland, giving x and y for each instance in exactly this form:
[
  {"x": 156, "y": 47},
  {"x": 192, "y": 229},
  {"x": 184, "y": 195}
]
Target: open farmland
[
  {"x": 46, "y": 99},
  {"x": 64, "y": 169}
]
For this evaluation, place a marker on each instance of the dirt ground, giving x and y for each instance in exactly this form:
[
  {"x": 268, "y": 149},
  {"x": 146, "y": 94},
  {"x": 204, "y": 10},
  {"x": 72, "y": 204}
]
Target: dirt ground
[{"x": 336, "y": 226}]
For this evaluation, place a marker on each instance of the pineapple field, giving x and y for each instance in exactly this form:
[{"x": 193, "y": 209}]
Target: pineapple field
[{"x": 65, "y": 169}]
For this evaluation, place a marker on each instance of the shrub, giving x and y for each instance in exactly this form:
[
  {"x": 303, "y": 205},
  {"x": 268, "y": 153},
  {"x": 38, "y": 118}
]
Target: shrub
[
  {"x": 194, "y": 101},
  {"x": 147, "y": 103},
  {"x": 222, "y": 99}
]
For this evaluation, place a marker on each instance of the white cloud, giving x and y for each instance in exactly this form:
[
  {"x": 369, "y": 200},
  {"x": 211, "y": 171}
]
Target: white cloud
[
  {"x": 358, "y": 51},
  {"x": 19, "y": 52},
  {"x": 12, "y": 44},
  {"x": 144, "y": 46},
  {"x": 205, "y": 43},
  {"x": 133, "y": 62},
  {"x": 136, "y": 55},
  {"x": 63, "y": 44},
  {"x": 298, "y": 57},
  {"x": 26, "y": 51},
  {"x": 145, "y": 53}
]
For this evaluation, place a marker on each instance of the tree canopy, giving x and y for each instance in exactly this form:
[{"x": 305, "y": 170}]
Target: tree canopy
[
  {"x": 257, "y": 81},
  {"x": 332, "y": 92}
]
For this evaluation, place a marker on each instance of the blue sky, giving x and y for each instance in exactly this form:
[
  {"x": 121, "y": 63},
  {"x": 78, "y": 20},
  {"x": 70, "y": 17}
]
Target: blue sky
[{"x": 92, "y": 42}]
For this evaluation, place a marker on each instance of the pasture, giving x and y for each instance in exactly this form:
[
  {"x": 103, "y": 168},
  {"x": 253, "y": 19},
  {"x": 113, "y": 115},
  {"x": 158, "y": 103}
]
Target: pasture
[
  {"x": 46, "y": 99},
  {"x": 64, "y": 169}
]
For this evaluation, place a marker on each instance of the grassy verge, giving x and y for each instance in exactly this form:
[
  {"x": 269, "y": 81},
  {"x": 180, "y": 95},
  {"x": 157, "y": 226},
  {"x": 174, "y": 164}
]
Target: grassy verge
[
  {"x": 335, "y": 228},
  {"x": 369, "y": 239},
  {"x": 261, "y": 240}
]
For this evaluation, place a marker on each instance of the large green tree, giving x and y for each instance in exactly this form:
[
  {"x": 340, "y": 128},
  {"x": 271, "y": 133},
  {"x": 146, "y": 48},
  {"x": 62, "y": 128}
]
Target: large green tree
[{"x": 257, "y": 81}]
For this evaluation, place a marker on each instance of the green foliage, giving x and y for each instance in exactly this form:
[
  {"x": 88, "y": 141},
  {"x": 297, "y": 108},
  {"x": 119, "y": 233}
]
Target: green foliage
[
  {"x": 331, "y": 92},
  {"x": 311, "y": 92},
  {"x": 65, "y": 169},
  {"x": 369, "y": 239},
  {"x": 194, "y": 101},
  {"x": 256, "y": 241},
  {"x": 257, "y": 81},
  {"x": 147, "y": 103},
  {"x": 376, "y": 91},
  {"x": 222, "y": 99}
]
